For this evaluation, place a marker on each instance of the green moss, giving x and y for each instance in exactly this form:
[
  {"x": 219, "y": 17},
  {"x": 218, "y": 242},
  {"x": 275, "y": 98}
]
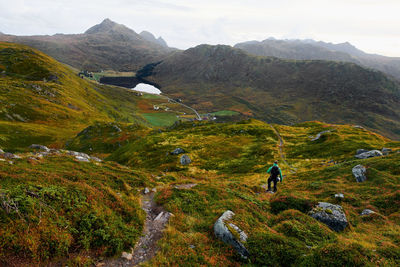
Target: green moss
[
  {"x": 338, "y": 254},
  {"x": 268, "y": 249}
]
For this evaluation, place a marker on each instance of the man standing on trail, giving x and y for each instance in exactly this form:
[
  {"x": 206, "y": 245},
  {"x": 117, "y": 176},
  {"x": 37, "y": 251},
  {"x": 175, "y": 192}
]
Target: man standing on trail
[{"x": 275, "y": 171}]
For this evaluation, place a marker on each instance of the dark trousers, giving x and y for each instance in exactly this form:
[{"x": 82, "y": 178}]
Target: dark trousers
[{"x": 272, "y": 179}]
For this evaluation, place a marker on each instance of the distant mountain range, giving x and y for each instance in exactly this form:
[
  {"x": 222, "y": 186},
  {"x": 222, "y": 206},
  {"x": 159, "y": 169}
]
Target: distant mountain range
[
  {"x": 213, "y": 78},
  {"x": 107, "y": 45},
  {"x": 313, "y": 50}
]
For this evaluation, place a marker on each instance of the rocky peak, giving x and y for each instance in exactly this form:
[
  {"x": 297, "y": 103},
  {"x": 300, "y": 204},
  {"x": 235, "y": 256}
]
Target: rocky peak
[{"x": 151, "y": 38}]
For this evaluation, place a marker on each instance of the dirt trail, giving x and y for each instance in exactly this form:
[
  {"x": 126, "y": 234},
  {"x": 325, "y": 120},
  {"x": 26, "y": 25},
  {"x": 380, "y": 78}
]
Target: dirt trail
[
  {"x": 146, "y": 248},
  {"x": 281, "y": 153}
]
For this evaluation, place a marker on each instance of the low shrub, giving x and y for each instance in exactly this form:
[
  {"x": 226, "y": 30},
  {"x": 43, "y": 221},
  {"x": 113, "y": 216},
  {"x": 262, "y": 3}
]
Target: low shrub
[
  {"x": 281, "y": 203},
  {"x": 269, "y": 249},
  {"x": 338, "y": 254}
]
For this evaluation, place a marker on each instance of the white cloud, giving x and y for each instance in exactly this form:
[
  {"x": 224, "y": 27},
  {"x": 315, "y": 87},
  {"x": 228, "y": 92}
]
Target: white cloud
[{"x": 371, "y": 25}]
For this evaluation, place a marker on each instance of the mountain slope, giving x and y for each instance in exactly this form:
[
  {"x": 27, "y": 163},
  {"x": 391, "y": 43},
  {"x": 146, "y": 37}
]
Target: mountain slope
[
  {"x": 107, "y": 45},
  {"x": 42, "y": 101},
  {"x": 227, "y": 172},
  {"x": 311, "y": 50},
  {"x": 213, "y": 78}
]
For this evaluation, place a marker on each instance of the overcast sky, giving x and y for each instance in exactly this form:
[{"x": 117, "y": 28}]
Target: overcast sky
[{"x": 371, "y": 25}]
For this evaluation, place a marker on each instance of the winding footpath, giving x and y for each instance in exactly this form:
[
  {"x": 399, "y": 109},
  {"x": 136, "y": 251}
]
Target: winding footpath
[
  {"x": 281, "y": 153},
  {"x": 146, "y": 248}
]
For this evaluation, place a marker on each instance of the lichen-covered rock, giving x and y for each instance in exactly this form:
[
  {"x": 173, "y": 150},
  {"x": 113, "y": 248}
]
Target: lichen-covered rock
[
  {"x": 178, "y": 151},
  {"x": 331, "y": 215},
  {"x": 40, "y": 147},
  {"x": 367, "y": 212},
  {"x": 359, "y": 173},
  {"x": 369, "y": 154},
  {"x": 185, "y": 160},
  {"x": 230, "y": 233}
]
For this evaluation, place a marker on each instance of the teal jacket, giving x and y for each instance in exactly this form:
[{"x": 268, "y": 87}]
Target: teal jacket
[{"x": 280, "y": 172}]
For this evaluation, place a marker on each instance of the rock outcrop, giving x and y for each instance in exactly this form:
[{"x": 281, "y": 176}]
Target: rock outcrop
[
  {"x": 178, "y": 151},
  {"x": 369, "y": 154},
  {"x": 40, "y": 147},
  {"x": 230, "y": 233},
  {"x": 331, "y": 215},
  {"x": 359, "y": 173},
  {"x": 185, "y": 160}
]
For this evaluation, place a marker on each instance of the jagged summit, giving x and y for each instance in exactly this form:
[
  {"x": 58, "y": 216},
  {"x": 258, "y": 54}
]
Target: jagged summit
[
  {"x": 151, "y": 38},
  {"x": 107, "y": 26}
]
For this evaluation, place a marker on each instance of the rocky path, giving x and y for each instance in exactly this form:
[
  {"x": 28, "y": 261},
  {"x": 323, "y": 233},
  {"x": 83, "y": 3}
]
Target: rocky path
[
  {"x": 146, "y": 248},
  {"x": 281, "y": 153}
]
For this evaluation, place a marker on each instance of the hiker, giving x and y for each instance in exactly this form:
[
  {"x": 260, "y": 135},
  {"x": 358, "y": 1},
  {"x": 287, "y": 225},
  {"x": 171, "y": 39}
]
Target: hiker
[{"x": 275, "y": 171}]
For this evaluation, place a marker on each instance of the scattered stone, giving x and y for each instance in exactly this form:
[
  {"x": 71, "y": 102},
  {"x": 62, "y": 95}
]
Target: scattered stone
[
  {"x": 185, "y": 160},
  {"x": 1, "y": 150},
  {"x": 185, "y": 186},
  {"x": 331, "y": 215},
  {"x": 96, "y": 159},
  {"x": 339, "y": 195},
  {"x": 178, "y": 151},
  {"x": 40, "y": 147},
  {"x": 223, "y": 232},
  {"x": 386, "y": 151},
  {"x": 369, "y": 154},
  {"x": 80, "y": 158},
  {"x": 358, "y": 126},
  {"x": 116, "y": 128},
  {"x": 318, "y": 136},
  {"x": 146, "y": 191},
  {"x": 192, "y": 246},
  {"x": 127, "y": 256},
  {"x": 154, "y": 190},
  {"x": 360, "y": 151},
  {"x": 9, "y": 155},
  {"x": 359, "y": 173},
  {"x": 2, "y": 159},
  {"x": 367, "y": 212}
]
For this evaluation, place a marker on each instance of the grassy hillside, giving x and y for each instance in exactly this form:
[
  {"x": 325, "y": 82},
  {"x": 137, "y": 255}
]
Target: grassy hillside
[
  {"x": 228, "y": 170},
  {"x": 44, "y": 102},
  {"x": 107, "y": 45},
  {"x": 213, "y": 78},
  {"x": 55, "y": 207}
]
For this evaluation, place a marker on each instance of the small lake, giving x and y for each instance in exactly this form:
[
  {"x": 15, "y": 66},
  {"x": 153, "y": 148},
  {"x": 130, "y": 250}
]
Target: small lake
[{"x": 147, "y": 88}]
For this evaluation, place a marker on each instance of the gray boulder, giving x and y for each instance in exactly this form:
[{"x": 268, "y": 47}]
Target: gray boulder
[
  {"x": 185, "y": 160},
  {"x": 9, "y": 155},
  {"x": 360, "y": 151},
  {"x": 178, "y": 151},
  {"x": 386, "y": 151},
  {"x": 339, "y": 195},
  {"x": 222, "y": 230},
  {"x": 369, "y": 154},
  {"x": 331, "y": 215},
  {"x": 367, "y": 212},
  {"x": 359, "y": 173},
  {"x": 40, "y": 147}
]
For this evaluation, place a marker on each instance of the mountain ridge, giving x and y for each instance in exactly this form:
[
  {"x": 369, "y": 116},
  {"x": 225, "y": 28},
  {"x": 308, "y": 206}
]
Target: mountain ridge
[
  {"x": 107, "y": 45},
  {"x": 318, "y": 50}
]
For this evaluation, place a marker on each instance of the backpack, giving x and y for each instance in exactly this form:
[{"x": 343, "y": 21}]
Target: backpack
[{"x": 275, "y": 171}]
